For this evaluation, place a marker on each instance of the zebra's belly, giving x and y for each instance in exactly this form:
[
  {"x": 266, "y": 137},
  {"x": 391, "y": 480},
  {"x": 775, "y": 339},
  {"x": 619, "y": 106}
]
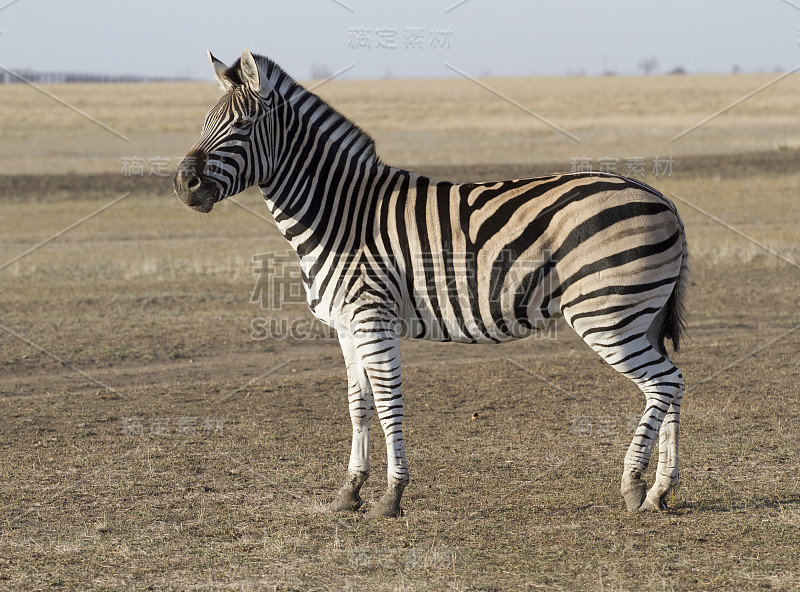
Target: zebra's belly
[{"x": 424, "y": 325}]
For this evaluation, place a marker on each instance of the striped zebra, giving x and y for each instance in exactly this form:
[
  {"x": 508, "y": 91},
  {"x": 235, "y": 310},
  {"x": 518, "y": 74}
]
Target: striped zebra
[{"x": 386, "y": 253}]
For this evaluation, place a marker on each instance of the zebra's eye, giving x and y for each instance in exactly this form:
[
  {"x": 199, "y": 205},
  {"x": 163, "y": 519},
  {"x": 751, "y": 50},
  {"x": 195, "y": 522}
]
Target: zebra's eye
[{"x": 242, "y": 124}]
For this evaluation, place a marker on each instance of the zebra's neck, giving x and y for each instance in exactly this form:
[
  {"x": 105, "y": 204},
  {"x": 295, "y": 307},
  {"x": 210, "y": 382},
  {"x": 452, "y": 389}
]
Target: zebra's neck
[
  {"x": 323, "y": 173},
  {"x": 328, "y": 207}
]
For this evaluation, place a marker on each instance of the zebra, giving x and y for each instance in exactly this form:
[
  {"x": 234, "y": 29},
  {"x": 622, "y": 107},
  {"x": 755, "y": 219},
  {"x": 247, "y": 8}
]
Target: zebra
[{"x": 386, "y": 253}]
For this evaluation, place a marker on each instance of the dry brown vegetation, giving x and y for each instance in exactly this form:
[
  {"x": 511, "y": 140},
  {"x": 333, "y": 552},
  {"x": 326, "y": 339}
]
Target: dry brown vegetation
[
  {"x": 419, "y": 122},
  {"x": 150, "y": 442}
]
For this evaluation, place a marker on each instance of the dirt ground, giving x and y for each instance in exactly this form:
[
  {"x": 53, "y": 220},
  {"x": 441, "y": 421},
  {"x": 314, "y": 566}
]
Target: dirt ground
[
  {"x": 152, "y": 438},
  {"x": 162, "y": 429}
]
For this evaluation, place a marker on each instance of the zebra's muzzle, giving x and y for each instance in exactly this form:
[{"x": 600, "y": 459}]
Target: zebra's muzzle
[{"x": 193, "y": 191}]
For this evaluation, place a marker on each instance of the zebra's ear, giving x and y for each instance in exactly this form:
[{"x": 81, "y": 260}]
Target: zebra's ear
[
  {"x": 219, "y": 73},
  {"x": 248, "y": 70}
]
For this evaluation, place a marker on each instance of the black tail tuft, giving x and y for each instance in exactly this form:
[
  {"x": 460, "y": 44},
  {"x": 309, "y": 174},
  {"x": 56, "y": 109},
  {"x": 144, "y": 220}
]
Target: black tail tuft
[{"x": 673, "y": 319}]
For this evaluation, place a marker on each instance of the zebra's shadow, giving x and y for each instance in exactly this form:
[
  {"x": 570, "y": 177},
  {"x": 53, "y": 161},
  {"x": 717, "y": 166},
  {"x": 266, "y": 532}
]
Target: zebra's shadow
[{"x": 722, "y": 504}]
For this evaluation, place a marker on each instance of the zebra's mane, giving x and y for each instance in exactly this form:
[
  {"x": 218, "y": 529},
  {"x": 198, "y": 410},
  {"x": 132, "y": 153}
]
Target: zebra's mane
[{"x": 360, "y": 142}]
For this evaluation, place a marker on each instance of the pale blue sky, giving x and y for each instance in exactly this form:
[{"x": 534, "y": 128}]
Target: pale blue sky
[{"x": 410, "y": 39}]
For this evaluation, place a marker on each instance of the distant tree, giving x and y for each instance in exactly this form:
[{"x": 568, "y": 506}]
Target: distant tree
[
  {"x": 677, "y": 70},
  {"x": 605, "y": 70},
  {"x": 648, "y": 65},
  {"x": 320, "y": 71},
  {"x": 737, "y": 69}
]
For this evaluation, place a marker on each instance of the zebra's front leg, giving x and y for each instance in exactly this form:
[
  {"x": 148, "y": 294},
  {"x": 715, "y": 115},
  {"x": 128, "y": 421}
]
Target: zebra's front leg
[
  {"x": 362, "y": 408},
  {"x": 379, "y": 351}
]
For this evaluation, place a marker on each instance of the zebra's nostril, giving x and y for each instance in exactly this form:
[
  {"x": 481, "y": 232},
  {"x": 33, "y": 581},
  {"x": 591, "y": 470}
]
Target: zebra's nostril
[{"x": 193, "y": 183}]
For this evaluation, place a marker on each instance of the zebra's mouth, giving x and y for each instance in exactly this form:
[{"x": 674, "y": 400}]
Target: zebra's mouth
[
  {"x": 204, "y": 198},
  {"x": 205, "y": 208}
]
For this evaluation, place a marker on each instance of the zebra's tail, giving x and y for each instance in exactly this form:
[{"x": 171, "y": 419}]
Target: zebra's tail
[{"x": 673, "y": 317}]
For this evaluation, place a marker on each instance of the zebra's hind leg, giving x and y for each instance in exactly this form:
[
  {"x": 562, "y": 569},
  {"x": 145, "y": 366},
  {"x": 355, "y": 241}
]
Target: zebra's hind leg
[
  {"x": 639, "y": 358},
  {"x": 667, "y": 474},
  {"x": 362, "y": 408}
]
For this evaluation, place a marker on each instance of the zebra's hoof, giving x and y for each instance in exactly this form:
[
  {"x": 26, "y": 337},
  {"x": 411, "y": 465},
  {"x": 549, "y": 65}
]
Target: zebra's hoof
[
  {"x": 345, "y": 502},
  {"x": 649, "y": 506},
  {"x": 383, "y": 510},
  {"x": 635, "y": 496},
  {"x": 389, "y": 504}
]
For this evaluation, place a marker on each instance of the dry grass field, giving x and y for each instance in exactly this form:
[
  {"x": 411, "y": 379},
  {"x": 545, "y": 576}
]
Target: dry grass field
[{"x": 154, "y": 437}]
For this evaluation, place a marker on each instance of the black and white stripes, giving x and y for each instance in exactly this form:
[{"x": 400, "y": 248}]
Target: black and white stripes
[{"x": 386, "y": 253}]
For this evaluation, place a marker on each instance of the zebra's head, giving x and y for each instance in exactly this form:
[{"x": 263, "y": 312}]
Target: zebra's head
[{"x": 225, "y": 160}]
